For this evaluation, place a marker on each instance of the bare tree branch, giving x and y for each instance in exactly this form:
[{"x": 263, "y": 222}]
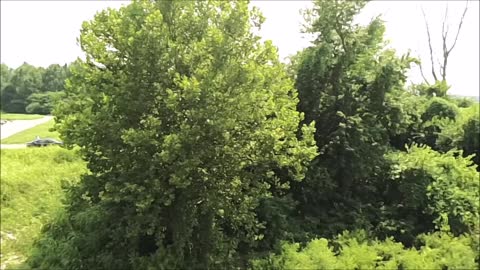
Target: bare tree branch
[
  {"x": 430, "y": 46},
  {"x": 442, "y": 67},
  {"x": 446, "y": 51},
  {"x": 445, "y": 33},
  {"x": 423, "y": 76},
  {"x": 459, "y": 28}
]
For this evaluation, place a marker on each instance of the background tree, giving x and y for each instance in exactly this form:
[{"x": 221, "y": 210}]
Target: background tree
[
  {"x": 182, "y": 115},
  {"x": 8, "y": 92},
  {"x": 43, "y": 103},
  {"x": 11, "y": 102},
  {"x": 5, "y": 75},
  {"x": 27, "y": 80},
  {"x": 53, "y": 79}
]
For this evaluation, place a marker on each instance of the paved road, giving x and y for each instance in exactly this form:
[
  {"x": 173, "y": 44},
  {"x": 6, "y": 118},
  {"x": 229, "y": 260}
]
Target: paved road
[
  {"x": 15, "y": 126},
  {"x": 12, "y": 146}
]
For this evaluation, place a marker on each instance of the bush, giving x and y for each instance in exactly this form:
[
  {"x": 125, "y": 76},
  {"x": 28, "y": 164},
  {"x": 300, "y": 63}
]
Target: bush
[
  {"x": 464, "y": 102},
  {"x": 353, "y": 251},
  {"x": 461, "y": 133},
  {"x": 430, "y": 187},
  {"x": 438, "y": 89},
  {"x": 441, "y": 108},
  {"x": 37, "y": 108},
  {"x": 404, "y": 113},
  {"x": 438, "y": 111},
  {"x": 43, "y": 103},
  {"x": 15, "y": 106}
]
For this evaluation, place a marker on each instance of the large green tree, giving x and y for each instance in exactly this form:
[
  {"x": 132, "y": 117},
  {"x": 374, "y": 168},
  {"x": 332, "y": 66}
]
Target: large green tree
[{"x": 184, "y": 118}]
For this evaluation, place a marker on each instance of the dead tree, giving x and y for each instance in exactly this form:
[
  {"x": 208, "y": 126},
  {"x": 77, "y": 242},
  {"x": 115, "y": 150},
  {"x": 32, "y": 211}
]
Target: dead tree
[{"x": 446, "y": 50}]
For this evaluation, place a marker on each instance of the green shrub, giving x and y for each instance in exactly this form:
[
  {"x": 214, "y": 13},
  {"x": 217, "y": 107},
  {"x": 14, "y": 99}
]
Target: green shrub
[
  {"x": 438, "y": 89},
  {"x": 404, "y": 113},
  {"x": 439, "y": 107},
  {"x": 354, "y": 251},
  {"x": 43, "y": 103},
  {"x": 431, "y": 185},
  {"x": 463, "y": 132},
  {"x": 37, "y": 108},
  {"x": 464, "y": 102}
]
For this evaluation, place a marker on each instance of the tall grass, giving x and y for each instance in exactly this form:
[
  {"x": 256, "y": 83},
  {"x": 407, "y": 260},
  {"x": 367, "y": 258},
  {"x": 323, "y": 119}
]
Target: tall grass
[{"x": 31, "y": 194}]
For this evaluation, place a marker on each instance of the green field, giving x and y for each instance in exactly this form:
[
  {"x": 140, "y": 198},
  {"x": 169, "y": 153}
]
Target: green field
[
  {"x": 41, "y": 130},
  {"x": 19, "y": 116},
  {"x": 31, "y": 195}
]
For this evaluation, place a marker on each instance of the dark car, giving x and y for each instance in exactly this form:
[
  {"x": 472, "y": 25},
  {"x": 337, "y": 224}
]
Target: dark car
[{"x": 43, "y": 142}]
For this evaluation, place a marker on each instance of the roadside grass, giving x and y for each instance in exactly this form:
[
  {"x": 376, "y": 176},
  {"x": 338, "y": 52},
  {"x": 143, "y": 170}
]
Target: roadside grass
[
  {"x": 19, "y": 116},
  {"x": 30, "y": 195},
  {"x": 41, "y": 130}
]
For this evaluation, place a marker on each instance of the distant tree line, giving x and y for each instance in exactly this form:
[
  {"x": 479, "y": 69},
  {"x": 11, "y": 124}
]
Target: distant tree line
[{"x": 30, "y": 89}]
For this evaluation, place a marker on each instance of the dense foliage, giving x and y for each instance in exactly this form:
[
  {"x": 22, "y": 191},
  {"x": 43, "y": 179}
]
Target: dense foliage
[{"x": 205, "y": 151}]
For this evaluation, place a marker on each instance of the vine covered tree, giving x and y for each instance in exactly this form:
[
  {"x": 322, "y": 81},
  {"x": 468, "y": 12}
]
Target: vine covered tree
[{"x": 351, "y": 86}]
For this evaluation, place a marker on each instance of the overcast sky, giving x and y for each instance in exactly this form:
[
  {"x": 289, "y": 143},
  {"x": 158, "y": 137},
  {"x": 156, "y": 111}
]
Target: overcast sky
[{"x": 45, "y": 32}]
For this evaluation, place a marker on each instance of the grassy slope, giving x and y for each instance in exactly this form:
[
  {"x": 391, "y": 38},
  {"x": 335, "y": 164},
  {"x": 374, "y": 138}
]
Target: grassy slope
[
  {"x": 19, "y": 116},
  {"x": 30, "y": 195},
  {"x": 28, "y": 135}
]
